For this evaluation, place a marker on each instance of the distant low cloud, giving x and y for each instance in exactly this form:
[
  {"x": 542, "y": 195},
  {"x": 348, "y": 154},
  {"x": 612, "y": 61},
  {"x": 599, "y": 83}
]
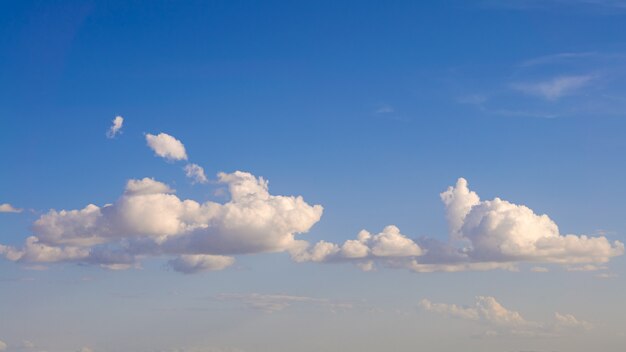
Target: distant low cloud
[
  {"x": 499, "y": 320},
  {"x": 166, "y": 146},
  {"x": 3, "y": 346},
  {"x": 554, "y": 88},
  {"x": 8, "y": 208},
  {"x": 270, "y": 303},
  {"x": 195, "y": 173},
  {"x": 195, "y": 263},
  {"x": 116, "y": 128}
]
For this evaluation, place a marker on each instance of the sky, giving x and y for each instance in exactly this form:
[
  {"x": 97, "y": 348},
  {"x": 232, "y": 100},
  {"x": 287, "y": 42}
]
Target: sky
[{"x": 355, "y": 176}]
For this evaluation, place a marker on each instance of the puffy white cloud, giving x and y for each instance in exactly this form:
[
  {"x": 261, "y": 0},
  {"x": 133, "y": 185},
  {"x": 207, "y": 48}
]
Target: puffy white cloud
[
  {"x": 194, "y": 263},
  {"x": 3, "y": 346},
  {"x": 500, "y": 231},
  {"x": 487, "y": 311},
  {"x": 483, "y": 235},
  {"x": 195, "y": 173},
  {"x": 116, "y": 127},
  {"x": 150, "y": 220},
  {"x": 458, "y": 200},
  {"x": 8, "y": 208},
  {"x": 166, "y": 146},
  {"x": 386, "y": 246}
]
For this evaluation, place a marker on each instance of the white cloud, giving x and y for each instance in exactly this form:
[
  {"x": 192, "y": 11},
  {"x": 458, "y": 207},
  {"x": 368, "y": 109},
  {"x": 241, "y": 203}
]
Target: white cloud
[
  {"x": 166, "y": 146},
  {"x": 8, "y": 208},
  {"x": 500, "y": 231},
  {"x": 116, "y": 128},
  {"x": 3, "y": 346},
  {"x": 555, "y": 88},
  {"x": 385, "y": 246},
  {"x": 484, "y": 235},
  {"x": 195, "y": 173},
  {"x": 150, "y": 220},
  {"x": 487, "y": 311},
  {"x": 194, "y": 263}
]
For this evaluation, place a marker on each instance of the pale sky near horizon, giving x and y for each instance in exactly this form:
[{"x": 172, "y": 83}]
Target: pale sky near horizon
[{"x": 354, "y": 176}]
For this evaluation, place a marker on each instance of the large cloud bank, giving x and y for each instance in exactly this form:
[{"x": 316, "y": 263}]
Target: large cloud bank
[
  {"x": 150, "y": 220},
  {"x": 483, "y": 235}
]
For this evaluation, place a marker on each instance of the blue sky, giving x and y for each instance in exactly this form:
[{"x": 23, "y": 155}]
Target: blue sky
[{"x": 368, "y": 111}]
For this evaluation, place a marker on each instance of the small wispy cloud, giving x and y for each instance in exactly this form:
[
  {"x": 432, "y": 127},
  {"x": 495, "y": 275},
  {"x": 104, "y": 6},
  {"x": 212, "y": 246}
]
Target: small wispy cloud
[
  {"x": 270, "y": 303},
  {"x": 196, "y": 173},
  {"x": 554, "y": 88},
  {"x": 8, "y": 208},
  {"x": 116, "y": 127},
  {"x": 385, "y": 109}
]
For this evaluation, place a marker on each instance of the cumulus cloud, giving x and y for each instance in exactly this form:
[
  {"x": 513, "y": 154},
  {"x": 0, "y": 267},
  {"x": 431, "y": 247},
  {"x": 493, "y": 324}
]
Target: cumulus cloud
[
  {"x": 166, "y": 146},
  {"x": 483, "y": 235},
  {"x": 195, "y": 173},
  {"x": 501, "y": 231},
  {"x": 488, "y": 312},
  {"x": 555, "y": 88},
  {"x": 3, "y": 346},
  {"x": 387, "y": 245},
  {"x": 116, "y": 127},
  {"x": 8, "y": 208},
  {"x": 150, "y": 220}
]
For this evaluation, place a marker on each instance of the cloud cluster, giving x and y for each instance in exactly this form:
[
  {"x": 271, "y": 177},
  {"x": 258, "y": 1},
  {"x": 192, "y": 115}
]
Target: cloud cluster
[
  {"x": 8, "y": 208},
  {"x": 366, "y": 248},
  {"x": 483, "y": 235},
  {"x": 150, "y": 220},
  {"x": 116, "y": 127},
  {"x": 489, "y": 312}
]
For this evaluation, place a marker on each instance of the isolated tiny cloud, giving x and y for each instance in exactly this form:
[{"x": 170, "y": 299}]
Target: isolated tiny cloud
[
  {"x": 8, "y": 208},
  {"x": 166, "y": 146},
  {"x": 488, "y": 312},
  {"x": 116, "y": 127},
  {"x": 195, "y": 173}
]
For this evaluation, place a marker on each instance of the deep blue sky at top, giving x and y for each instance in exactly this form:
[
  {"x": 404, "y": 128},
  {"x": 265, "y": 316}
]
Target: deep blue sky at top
[{"x": 360, "y": 106}]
